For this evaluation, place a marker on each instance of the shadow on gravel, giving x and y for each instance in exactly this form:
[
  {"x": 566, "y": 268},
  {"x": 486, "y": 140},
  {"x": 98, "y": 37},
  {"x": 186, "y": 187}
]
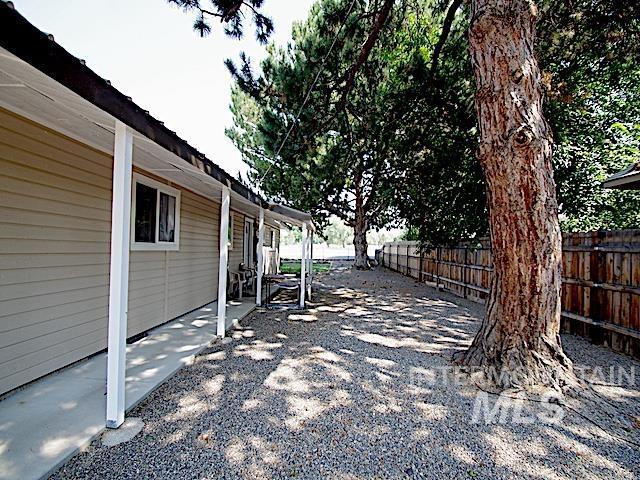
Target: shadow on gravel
[{"x": 357, "y": 386}]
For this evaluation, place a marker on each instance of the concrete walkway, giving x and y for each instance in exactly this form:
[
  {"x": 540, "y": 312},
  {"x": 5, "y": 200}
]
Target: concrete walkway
[{"x": 46, "y": 422}]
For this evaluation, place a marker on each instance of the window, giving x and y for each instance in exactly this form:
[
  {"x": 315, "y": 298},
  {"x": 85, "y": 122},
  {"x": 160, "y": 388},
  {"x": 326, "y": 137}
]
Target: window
[
  {"x": 273, "y": 238},
  {"x": 145, "y": 225},
  {"x": 155, "y": 215},
  {"x": 167, "y": 224}
]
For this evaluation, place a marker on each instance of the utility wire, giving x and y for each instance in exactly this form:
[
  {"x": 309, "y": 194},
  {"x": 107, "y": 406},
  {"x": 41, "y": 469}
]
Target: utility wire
[{"x": 310, "y": 89}]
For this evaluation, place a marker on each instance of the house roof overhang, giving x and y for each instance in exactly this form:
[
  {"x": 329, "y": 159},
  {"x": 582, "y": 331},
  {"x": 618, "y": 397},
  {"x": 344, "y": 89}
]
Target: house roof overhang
[
  {"x": 42, "y": 81},
  {"x": 290, "y": 215}
]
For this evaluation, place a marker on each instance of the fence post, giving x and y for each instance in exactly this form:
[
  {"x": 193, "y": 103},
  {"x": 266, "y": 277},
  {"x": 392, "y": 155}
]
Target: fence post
[
  {"x": 420, "y": 278},
  {"x": 438, "y": 268},
  {"x": 394, "y": 268},
  {"x": 464, "y": 272},
  {"x": 408, "y": 268},
  {"x": 598, "y": 268}
]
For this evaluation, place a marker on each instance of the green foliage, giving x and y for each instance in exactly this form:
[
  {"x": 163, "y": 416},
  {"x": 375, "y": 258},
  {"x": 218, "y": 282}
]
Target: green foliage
[
  {"x": 291, "y": 237},
  {"x": 336, "y": 159},
  {"x": 442, "y": 190},
  {"x": 337, "y": 232},
  {"x": 231, "y": 13},
  {"x": 593, "y": 146},
  {"x": 411, "y": 234},
  {"x": 589, "y": 56},
  {"x": 403, "y": 145},
  {"x": 590, "y": 53},
  {"x": 383, "y": 235}
]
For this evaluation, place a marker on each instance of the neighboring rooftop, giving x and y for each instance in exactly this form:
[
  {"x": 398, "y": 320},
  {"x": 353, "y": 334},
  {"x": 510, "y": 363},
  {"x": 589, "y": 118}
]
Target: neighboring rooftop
[{"x": 627, "y": 179}]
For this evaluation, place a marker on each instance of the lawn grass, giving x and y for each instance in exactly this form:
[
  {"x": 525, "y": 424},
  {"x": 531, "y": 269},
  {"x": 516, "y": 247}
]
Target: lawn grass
[{"x": 294, "y": 267}]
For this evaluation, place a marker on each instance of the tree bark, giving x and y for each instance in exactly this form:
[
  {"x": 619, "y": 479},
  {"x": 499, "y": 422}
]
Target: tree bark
[
  {"x": 360, "y": 228},
  {"x": 518, "y": 344},
  {"x": 360, "y": 243}
]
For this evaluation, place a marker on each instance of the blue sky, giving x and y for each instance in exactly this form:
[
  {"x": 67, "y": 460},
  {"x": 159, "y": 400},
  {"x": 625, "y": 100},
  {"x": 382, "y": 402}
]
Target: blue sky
[{"x": 148, "y": 50}]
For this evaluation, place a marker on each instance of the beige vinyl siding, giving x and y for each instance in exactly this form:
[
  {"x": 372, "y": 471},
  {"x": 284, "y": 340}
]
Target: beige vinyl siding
[
  {"x": 268, "y": 230},
  {"x": 147, "y": 280},
  {"x": 167, "y": 284},
  {"x": 55, "y": 221},
  {"x": 193, "y": 270},
  {"x": 55, "y": 199}
]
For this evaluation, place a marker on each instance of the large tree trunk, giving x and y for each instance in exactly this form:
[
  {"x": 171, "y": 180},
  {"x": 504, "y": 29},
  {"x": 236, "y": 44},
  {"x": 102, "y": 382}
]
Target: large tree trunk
[
  {"x": 518, "y": 343},
  {"x": 360, "y": 243},
  {"x": 360, "y": 227}
]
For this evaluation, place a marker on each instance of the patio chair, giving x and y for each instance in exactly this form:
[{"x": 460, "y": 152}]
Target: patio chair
[
  {"x": 235, "y": 283},
  {"x": 250, "y": 277}
]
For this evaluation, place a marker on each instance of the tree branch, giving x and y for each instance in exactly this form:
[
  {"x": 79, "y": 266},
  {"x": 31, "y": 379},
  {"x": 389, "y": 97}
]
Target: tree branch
[
  {"x": 367, "y": 47},
  {"x": 446, "y": 28},
  {"x": 231, "y": 11},
  {"x": 331, "y": 208}
]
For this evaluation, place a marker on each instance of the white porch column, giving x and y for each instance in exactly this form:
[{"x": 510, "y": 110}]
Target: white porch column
[
  {"x": 119, "y": 275},
  {"x": 311, "y": 272},
  {"x": 303, "y": 265},
  {"x": 309, "y": 256},
  {"x": 224, "y": 260},
  {"x": 260, "y": 252}
]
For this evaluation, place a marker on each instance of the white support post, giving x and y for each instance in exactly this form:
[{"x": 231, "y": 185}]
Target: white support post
[
  {"x": 119, "y": 275},
  {"x": 311, "y": 272},
  {"x": 260, "y": 258},
  {"x": 303, "y": 265},
  {"x": 309, "y": 257},
  {"x": 224, "y": 260}
]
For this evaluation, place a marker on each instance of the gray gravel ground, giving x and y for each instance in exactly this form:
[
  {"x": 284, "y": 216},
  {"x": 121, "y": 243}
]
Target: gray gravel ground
[{"x": 355, "y": 388}]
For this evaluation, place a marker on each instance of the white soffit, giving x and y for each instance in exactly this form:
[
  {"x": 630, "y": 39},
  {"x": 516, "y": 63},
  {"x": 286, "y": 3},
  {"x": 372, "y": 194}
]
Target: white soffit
[
  {"x": 28, "y": 92},
  {"x": 278, "y": 218},
  {"x": 248, "y": 207}
]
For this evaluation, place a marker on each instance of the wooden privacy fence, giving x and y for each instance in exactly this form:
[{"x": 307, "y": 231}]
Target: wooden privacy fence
[{"x": 600, "y": 289}]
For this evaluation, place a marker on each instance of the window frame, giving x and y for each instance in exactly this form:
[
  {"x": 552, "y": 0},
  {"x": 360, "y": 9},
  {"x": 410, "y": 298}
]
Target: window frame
[
  {"x": 160, "y": 188},
  {"x": 230, "y": 232},
  {"x": 252, "y": 237}
]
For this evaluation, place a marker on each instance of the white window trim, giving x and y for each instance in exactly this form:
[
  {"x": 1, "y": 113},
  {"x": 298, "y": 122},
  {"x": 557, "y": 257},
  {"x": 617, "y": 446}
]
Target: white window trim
[
  {"x": 251, "y": 223},
  {"x": 231, "y": 232},
  {"x": 161, "y": 188},
  {"x": 273, "y": 238}
]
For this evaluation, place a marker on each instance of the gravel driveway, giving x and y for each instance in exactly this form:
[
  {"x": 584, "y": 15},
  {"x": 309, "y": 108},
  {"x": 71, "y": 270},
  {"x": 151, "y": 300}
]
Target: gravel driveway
[{"x": 359, "y": 386}]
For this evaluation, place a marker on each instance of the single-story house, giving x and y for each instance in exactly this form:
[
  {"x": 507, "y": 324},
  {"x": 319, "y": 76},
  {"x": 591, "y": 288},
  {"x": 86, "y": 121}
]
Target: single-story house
[
  {"x": 626, "y": 179},
  {"x": 110, "y": 224}
]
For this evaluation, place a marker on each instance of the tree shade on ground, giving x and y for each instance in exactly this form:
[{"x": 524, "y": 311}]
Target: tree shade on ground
[{"x": 391, "y": 128}]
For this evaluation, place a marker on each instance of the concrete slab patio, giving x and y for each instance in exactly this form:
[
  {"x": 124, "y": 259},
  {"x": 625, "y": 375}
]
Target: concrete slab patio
[{"x": 47, "y": 421}]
